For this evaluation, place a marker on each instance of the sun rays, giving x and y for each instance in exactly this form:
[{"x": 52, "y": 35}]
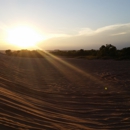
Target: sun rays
[{"x": 64, "y": 67}]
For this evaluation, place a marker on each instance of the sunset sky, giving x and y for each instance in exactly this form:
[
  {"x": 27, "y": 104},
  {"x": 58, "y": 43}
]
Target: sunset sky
[{"x": 65, "y": 24}]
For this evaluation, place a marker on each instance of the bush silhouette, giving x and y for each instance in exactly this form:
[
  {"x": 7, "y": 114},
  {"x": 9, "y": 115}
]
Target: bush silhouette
[
  {"x": 26, "y": 53},
  {"x": 108, "y": 50}
]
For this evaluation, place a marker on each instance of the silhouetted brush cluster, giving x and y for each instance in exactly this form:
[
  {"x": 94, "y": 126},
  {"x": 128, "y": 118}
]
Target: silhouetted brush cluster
[
  {"x": 26, "y": 53},
  {"x": 107, "y": 51}
]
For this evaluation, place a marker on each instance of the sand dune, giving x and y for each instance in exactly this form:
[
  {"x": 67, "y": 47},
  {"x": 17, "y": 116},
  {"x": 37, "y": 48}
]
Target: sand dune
[{"x": 64, "y": 94}]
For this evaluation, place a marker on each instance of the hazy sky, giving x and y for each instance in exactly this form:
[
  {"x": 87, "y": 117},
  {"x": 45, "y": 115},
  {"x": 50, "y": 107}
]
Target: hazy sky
[{"x": 69, "y": 24}]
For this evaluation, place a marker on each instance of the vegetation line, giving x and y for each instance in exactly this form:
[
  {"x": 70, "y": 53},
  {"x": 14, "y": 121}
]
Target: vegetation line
[{"x": 107, "y": 51}]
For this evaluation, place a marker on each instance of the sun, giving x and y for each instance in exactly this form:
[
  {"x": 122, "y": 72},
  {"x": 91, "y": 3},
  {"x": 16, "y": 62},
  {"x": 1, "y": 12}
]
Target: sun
[{"x": 23, "y": 36}]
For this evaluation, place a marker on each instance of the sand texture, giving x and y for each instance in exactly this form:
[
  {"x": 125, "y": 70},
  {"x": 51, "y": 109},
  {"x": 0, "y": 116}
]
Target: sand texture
[{"x": 53, "y": 93}]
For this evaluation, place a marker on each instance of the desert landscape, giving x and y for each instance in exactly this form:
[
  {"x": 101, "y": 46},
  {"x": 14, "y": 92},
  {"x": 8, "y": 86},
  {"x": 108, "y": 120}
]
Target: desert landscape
[
  {"x": 64, "y": 64},
  {"x": 57, "y": 93}
]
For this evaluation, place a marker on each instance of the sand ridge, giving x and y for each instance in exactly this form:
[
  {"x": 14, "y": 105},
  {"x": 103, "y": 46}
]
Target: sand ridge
[{"x": 64, "y": 93}]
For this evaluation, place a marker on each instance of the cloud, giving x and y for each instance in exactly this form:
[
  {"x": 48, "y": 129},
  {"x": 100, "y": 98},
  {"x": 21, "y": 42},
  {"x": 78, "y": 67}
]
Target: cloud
[
  {"x": 56, "y": 35},
  {"x": 112, "y": 30},
  {"x": 112, "y": 27},
  {"x": 87, "y": 38},
  {"x": 107, "y": 29},
  {"x": 86, "y": 31},
  {"x": 116, "y": 34}
]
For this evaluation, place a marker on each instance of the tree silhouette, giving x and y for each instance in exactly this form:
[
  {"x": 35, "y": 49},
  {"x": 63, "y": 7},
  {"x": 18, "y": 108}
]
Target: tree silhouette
[{"x": 108, "y": 50}]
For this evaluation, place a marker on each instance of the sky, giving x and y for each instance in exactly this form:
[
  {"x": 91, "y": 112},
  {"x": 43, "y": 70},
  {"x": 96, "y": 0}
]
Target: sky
[{"x": 68, "y": 24}]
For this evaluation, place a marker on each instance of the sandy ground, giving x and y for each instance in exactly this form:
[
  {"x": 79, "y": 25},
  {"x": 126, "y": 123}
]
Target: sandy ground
[{"x": 64, "y": 94}]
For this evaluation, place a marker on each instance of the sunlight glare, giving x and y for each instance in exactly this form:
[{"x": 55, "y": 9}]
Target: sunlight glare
[{"x": 23, "y": 36}]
